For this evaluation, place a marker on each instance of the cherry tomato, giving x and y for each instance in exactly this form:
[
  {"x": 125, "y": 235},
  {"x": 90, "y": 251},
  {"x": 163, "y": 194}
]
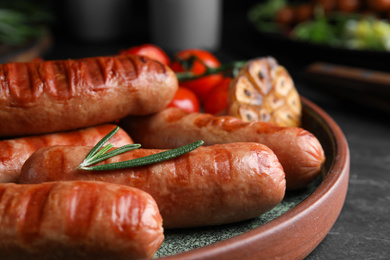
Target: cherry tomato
[
  {"x": 379, "y": 5},
  {"x": 150, "y": 50},
  {"x": 185, "y": 99},
  {"x": 203, "y": 85},
  {"x": 327, "y": 5},
  {"x": 348, "y": 5},
  {"x": 216, "y": 100},
  {"x": 303, "y": 12},
  {"x": 285, "y": 15}
]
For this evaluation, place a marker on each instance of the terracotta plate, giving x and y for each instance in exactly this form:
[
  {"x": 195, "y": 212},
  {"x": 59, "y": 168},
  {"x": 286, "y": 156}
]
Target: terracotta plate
[{"x": 289, "y": 231}]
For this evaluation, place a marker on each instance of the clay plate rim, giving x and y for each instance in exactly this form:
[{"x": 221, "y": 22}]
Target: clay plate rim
[{"x": 296, "y": 233}]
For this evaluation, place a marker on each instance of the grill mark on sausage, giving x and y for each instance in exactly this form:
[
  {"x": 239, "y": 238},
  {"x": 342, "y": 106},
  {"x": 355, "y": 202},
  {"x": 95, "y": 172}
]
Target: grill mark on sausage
[
  {"x": 222, "y": 163},
  {"x": 163, "y": 68},
  {"x": 75, "y": 77},
  {"x": 6, "y": 204},
  {"x": 68, "y": 73},
  {"x": 34, "y": 211},
  {"x": 106, "y": 67},
  {"x": 104, "y": 130},
  {"x": 303, "y": 132},
  {"x": 119, "y": 71},
  {"x": 61, "y": 160},
  {"x": 67, "y": 138},
  {"x": 3, "y": 83},
  {"x": 126, "y": 214},
  {"x": 7, "y": 81},
  {"x": 56, "y": 80},
  {"x": 82, "y": 207},
  {"x": 175, "y": 116},
  {"x": 265, "y": 127},
  {"x": 203, "y": 120},
  {"x": 132, "y": 73},
  {"x": 127, "y": 69},
  {"x": 79, "y": 135},
  {"x": 20, "y": 88},
  {"x": 2, "y": 189},
  {"x": 228, "y": 124},
  {"x": 94, "y": 74},
  {"x": 34, "y": 143},
  {"x": 6, "y": 151},
  {"x": 30, "y": 84},
  {"x": 46, "y": 202},
  {"x": 35, "y": 80},
  {"x": 137, "y": 210}
]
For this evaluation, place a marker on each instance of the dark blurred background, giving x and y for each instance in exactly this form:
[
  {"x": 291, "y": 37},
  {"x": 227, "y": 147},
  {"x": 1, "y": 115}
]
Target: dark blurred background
[
  {"x": 137, "y": 29},
  {"x": 360, "y": 231},
  {"x": 82, "y": 28}
]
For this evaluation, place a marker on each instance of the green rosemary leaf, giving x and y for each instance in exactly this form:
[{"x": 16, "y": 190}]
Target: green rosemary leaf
[
  {"x": 101, "y": 143},
  {"x": 110, "y": 154},
  {"x": 151, "y": 159},
  {"x": 103, "y": 150}
]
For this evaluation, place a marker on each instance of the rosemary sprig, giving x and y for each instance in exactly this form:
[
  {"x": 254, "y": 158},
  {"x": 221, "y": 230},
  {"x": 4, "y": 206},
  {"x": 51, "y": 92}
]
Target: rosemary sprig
[
  {"x": 100, "y": 153},
  {"x": 21, "y": 21}
]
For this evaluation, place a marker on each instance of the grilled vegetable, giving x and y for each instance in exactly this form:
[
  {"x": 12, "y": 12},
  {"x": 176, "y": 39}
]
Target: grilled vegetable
[{"x": 264, "y": 91}]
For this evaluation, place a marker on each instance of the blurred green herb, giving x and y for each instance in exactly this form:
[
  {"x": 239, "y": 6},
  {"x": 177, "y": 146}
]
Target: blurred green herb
[
  {"x": 318, "y": 30},
  {"x": 346, "y": 30},
  {"x": 262, "y": 15},
  {"x": 352, "y": 31},
  {"x": 21, "y": 21}
]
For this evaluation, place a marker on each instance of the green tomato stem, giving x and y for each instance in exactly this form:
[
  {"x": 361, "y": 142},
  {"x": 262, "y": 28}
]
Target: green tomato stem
[{"x": 224, "y": 68}]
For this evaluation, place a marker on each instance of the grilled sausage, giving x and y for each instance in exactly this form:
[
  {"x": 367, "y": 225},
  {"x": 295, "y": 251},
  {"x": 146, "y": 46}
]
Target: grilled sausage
[
  {"x": 299, "y": 151},
  {"x": 77, "y": 220},
  {"x": 51, "y": 96},
  {"x": 207, "y": 186},
  {"x": 14, "y": 152}
]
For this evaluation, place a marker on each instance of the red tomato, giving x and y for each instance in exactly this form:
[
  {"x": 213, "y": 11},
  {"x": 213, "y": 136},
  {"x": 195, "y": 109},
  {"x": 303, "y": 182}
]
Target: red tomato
[
  {"x": 327, "y": 5},
  {"x": 348, "y": 5},
  {"x": 185, "y": 99},
  {"x": 216, "y": 99},
  {"x": 149, "y": 50},
  {"x": 203, "y": 85},
  {"x": 303, "y": 12},
  {"x": 379, "y": 5},
  {"x": 285, "y": 15}
]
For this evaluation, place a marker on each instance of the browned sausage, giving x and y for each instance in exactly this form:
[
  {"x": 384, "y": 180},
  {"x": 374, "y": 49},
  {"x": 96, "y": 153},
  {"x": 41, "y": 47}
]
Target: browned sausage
[
  {"x": 77, "y": 220},
  {"x": 208, "y": 186},
  {"x": 51, "y": 96},
  {"x": 298, "y": 150},
  {"x": 14, "y": 152}
]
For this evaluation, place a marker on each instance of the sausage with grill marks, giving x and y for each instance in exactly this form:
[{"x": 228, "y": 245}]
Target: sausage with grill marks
[
  {"x": 51, "y": 96},
  {"x": 77, "y": 220},
  {"x": 14, "y": 152},
  {"x": 298, "y": 150},
  {"x": 208, "y": 186}
]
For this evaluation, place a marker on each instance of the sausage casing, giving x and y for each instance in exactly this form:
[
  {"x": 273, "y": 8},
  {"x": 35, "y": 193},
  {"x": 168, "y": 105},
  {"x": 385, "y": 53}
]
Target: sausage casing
[
  {"x": 208, "y": 186},
  {"x": 14, "y": 152},
  {"x": 298, "y": 150},
  {"x": 77, "y": 220},
  {"x": 51, "y": 96}
]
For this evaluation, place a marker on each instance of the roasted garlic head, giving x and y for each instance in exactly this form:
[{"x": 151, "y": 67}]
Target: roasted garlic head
[{"x": 264, "y": 91}]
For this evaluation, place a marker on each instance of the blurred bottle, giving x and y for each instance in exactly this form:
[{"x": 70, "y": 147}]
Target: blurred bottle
[
  {"x": 98, "y": 20},
  {"x": 182, "y": 24}
]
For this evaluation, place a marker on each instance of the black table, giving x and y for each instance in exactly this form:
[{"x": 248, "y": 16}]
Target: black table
[{"x": 362, "y": 230}]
